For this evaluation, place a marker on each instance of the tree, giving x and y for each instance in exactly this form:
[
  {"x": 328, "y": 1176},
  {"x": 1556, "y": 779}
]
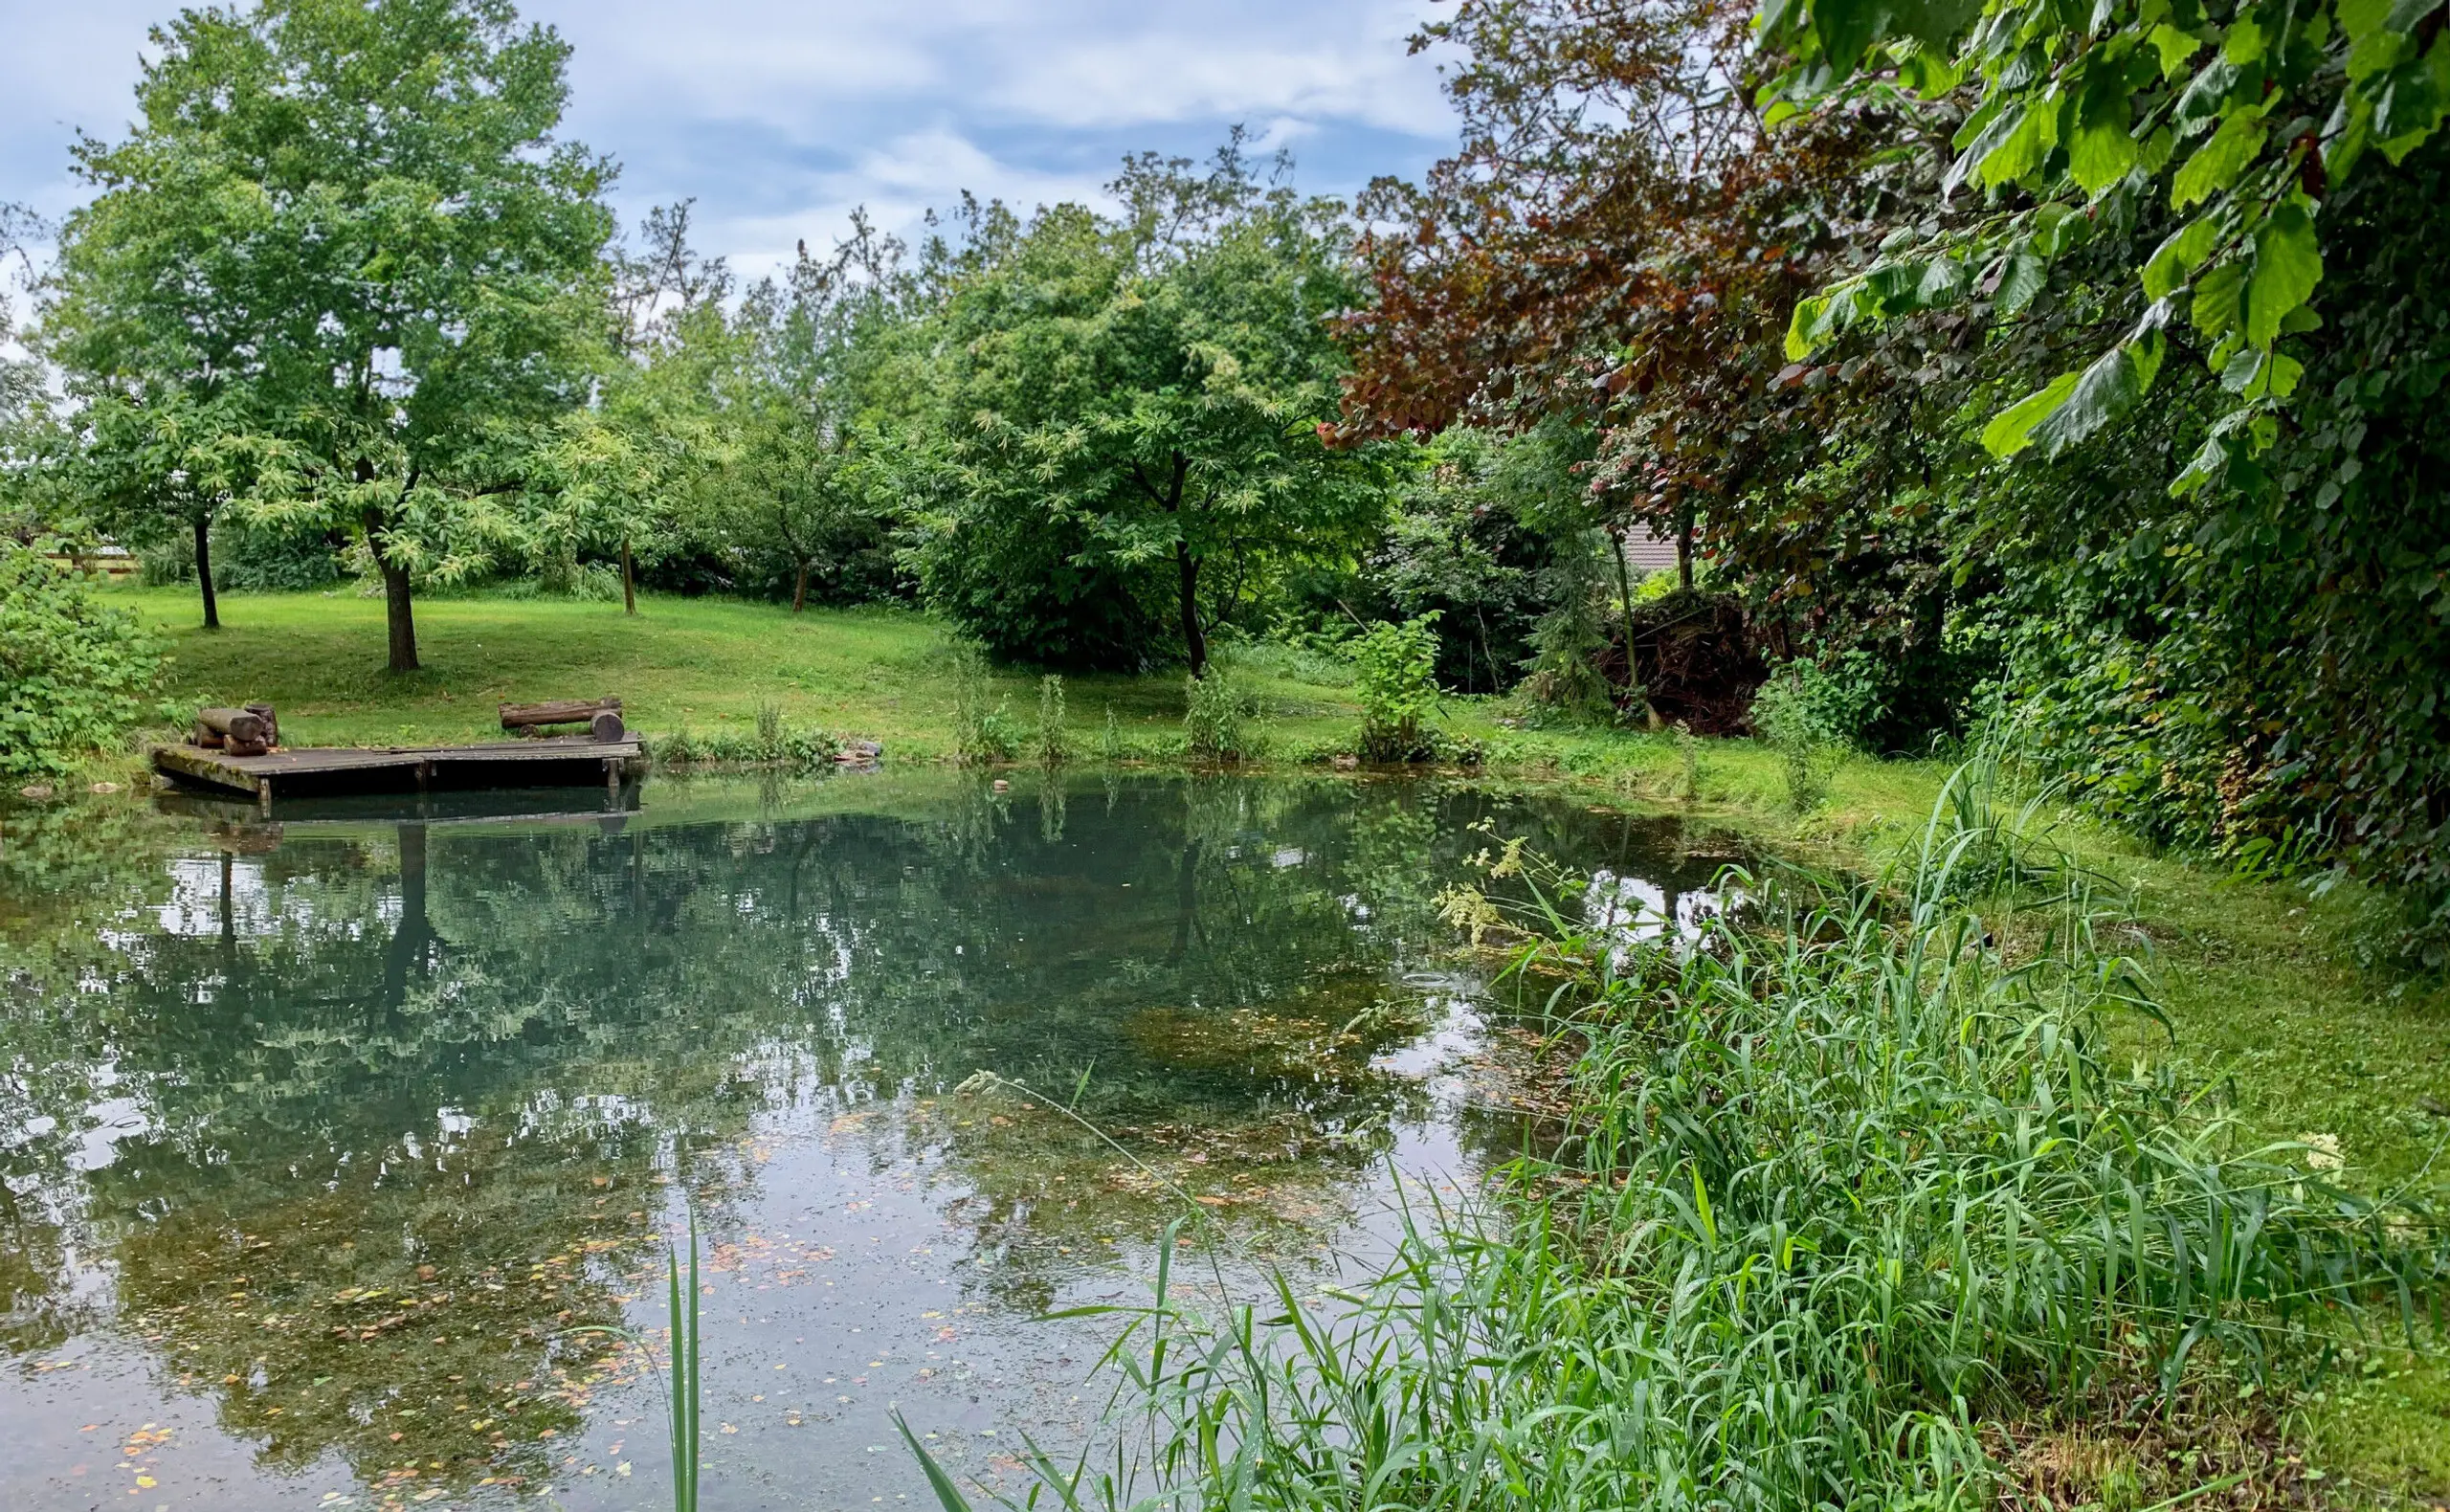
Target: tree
[
  {"x": 159, "y": 461},
  {"x": 1129, "y": 424},
  {"x": 1614, "y": 247},
  {"x": 811, "y": 462},
  {"x": 619, "y": 472},
  {"x": 355, "y": 220}
]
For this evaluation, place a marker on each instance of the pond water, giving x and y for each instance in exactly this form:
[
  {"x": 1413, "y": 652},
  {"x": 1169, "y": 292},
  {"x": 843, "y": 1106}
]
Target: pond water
[{"x": 331, "y": 1144}]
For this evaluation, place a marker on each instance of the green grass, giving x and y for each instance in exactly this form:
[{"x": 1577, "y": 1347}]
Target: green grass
[
  {"x": 705, "y": 664},
  {"x": 2268, "y": 1008}
]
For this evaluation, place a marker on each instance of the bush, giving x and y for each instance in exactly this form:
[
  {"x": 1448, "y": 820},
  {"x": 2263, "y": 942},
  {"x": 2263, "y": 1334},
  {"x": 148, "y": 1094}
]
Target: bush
[
  {"x": 1053, "y": 744},
  {"x": 1220, "y": 723},
  {"x": 982, "y": 731},
  {"x": 1811, "y": 715},
  {"x": 75, "y": 674},
  {"x": 1398, "y": 688},
  {"x": 1833, "y": 705}
]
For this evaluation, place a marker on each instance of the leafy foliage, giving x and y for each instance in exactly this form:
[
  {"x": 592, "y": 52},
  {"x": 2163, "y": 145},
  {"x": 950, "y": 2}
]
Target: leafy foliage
[
  {"x": 73, "y": 674},
  {"x": 2224, "y": 130},
  {"x": 1398, "y": 688},
  {"x": 1126, "y": 417},
  {"x": 352, "y": 223}
]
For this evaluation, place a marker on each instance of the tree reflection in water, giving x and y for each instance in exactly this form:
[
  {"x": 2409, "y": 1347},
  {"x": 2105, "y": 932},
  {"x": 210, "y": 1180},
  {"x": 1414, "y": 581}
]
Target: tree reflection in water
[{"x": 359, "y": 1128}]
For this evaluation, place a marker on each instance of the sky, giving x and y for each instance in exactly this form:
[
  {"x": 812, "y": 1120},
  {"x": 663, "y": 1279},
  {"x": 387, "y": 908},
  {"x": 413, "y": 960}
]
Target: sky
[{"x": 781, "y": 116}]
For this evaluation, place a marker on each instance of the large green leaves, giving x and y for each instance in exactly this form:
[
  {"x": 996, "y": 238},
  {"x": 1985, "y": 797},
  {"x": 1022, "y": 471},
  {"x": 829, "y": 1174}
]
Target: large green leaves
[{"x": 2252, "y": 116}]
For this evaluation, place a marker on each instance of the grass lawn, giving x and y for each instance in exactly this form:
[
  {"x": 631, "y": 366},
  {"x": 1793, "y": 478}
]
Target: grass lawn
[{"x": 2271, "y": 1009}]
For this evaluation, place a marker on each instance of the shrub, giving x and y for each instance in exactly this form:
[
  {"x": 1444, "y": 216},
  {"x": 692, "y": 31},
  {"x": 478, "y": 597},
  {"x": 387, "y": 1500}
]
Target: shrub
[
  {"x": 1398, "y": 688},
  {"x": 983, "y": 731},
  {"x": 75, "y": 674},
  {"x": 1809, "y": 718},
  {"x": 1220, "y": 723},
  {"x": 1052, "y": 746},
  {"x": 1837, "y": 705}
]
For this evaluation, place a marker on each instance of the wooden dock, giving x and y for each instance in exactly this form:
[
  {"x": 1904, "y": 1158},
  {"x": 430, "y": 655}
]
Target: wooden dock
[{"x": 553, "y": 763}]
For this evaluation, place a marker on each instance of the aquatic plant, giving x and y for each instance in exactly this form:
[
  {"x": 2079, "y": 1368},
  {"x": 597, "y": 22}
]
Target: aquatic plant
[{"x": 1854, "y": 1198}]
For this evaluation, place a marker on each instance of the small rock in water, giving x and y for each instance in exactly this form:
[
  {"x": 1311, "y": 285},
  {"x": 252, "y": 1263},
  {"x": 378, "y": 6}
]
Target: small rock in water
[
  {"x": 104, "y": 787},
  {"x": 36, "y": 791},
  {"x": 1000, "y": 785}
]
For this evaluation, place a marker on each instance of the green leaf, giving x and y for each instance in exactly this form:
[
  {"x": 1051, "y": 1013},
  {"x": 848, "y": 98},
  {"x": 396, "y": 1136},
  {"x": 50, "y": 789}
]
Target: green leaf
[
  {"x": 2104, "y": 148},
  {"x": 2177, "y": 256},
  {"x": 2109, "y": 389},
  {"x": 2217, "y": 163},
  {"x": 2010, "y": 430},
  {"x": 2362, "y": 18},
  {"x": 2019, "y": 281},
  {"x": 2025, "y": 145},
  {"x": 2175, "y": 47},
  {"x": 1806, "y": 328},
  {"x": 947, "y": 1494},
  {"x": 2218, "y": 296},
  {"x": 2288, "y": 264},
  {"x": 2245, "y": 42},
  {"x": 1845, "y": 29}
]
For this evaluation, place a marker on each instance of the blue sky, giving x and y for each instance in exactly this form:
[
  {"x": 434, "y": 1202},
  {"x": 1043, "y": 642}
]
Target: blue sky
[{"x": 780, "y": 117}]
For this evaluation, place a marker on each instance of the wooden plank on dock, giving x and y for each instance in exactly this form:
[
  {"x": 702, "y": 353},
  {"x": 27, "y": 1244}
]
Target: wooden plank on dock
[{"x": 413, "y": 766}]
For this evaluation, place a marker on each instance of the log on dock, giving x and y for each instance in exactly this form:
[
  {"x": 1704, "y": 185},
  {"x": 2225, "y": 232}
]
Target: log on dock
[
  {"x": 601, "y": 716},
  {"x": 241, "y": 732}
]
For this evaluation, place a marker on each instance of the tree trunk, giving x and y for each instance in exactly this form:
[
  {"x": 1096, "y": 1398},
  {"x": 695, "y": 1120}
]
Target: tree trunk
[
  {"x": 1685, "y": 547},
  {"x": 800, "y": 589},
  {"x": 628, "y": 581},
  {"x": 1625, "y": 597},
  {"x": 399, "y": 615},
  {"x": 1634, "y": 689},
  {"x": 1194, "y": 641},
  {"x": 204, "y": 570}
]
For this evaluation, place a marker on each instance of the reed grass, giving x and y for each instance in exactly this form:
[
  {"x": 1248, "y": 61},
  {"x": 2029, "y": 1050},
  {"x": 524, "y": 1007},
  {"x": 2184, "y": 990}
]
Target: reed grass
[{"x": 1854, "y": 1192}]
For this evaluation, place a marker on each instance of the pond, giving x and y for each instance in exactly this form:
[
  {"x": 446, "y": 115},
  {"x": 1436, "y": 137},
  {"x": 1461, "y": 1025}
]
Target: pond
[{"x": 335, "y": 1146}]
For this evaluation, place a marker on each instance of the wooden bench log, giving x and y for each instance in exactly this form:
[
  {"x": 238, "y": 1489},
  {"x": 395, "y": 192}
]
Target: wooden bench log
[
  {"x": 238, "y": 731},
  {"x": 557, "y": 711}
]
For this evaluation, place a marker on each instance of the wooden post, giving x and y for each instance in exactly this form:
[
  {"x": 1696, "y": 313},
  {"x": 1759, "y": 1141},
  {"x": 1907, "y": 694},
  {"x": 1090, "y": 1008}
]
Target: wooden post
[
  {"x": 611, "y": 777},
  {"x": 263, "y": 796}
]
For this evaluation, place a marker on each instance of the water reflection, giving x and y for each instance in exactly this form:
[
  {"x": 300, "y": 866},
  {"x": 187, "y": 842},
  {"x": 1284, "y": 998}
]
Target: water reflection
[{"x": 358, "y": 1137}]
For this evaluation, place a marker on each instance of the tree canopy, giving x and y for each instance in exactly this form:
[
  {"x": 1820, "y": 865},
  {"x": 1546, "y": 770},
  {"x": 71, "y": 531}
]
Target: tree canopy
[
  {"x": 1128, "y": 431},
  {"x": 352, "y": 224}
]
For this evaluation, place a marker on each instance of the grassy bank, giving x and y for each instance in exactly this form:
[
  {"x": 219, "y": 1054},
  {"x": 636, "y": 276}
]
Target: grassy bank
[{"x": 2272, "y": 1020}]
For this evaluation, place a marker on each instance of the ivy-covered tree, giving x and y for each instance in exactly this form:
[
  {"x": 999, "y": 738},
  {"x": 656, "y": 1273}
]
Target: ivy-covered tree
[{"x": 354, "y": 220}]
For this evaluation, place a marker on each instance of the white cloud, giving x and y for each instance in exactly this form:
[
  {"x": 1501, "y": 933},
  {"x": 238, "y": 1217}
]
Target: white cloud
[{"x": 779, "y": 116}]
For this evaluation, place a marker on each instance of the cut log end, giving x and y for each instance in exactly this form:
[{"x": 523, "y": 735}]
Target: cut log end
[
  {"x": 234, "y": 727},
  {"x": 605, "y": 727}
]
